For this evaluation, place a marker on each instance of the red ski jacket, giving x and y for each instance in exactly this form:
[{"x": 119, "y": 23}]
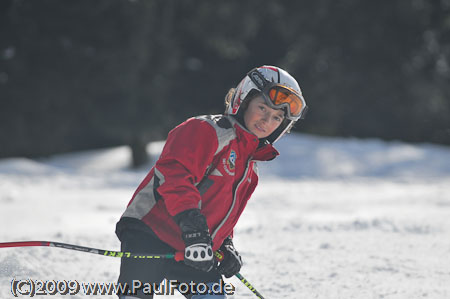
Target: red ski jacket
[{"x": 208, "y": 162}]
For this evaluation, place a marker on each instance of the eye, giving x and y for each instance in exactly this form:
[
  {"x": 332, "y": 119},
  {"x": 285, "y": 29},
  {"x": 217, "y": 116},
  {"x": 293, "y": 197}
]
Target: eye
[
  {"x": 262, "y": 108},
  {"x": 277, "y": 118}
]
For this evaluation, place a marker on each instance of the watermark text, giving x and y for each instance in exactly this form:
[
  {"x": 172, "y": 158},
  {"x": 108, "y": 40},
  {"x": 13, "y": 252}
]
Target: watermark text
[{"x": 34, "y": 287}]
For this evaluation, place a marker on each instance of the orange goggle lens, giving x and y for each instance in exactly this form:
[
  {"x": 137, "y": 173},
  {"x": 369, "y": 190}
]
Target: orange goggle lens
[{"x": 280, "y": 95}]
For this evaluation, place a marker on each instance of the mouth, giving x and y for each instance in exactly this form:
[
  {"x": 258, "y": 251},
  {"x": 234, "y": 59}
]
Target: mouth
[{"x": 259, "y": 128}]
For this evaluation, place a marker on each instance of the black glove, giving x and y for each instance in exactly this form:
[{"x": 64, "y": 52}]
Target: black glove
[
  {"x": 232, "y": 261},
  {"x": 195, "y": 233}
]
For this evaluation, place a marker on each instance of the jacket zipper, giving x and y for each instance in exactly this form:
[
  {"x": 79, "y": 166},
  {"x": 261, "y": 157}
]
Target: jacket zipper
[{"x": 244, "y": 177}]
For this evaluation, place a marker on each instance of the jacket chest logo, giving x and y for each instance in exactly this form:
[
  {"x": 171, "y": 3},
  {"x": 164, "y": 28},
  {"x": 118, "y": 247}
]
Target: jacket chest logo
[{"x": 230, "y": 164}]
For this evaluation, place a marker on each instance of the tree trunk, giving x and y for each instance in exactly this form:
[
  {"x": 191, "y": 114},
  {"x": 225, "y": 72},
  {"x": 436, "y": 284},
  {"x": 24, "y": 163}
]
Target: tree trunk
[{"x": 139, "y": 154}]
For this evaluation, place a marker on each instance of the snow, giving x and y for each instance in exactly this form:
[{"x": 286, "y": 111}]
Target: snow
[{"x": 331, "y": 218}]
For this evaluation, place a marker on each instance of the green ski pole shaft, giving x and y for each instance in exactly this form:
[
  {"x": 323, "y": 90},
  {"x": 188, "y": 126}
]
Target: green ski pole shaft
[
  {"x": 103, "y": 252},
  {"x": 219, "y": 256},
  {"x": 249, "y": 286}
]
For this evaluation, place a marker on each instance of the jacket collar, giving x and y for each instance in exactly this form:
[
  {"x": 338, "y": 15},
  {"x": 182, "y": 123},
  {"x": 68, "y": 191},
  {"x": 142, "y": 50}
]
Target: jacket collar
[{"x": 265, "y": 153}]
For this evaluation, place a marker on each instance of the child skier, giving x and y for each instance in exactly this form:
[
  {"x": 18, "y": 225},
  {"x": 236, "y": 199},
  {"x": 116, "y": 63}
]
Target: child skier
[{"x": 192, "y": 198}]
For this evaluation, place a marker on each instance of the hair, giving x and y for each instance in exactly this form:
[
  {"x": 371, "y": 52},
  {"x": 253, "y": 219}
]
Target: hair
[{"x": 229, "y": 97}]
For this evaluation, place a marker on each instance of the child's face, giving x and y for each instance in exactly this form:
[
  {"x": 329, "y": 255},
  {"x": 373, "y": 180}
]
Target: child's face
[{"x": 260, "y": 119}]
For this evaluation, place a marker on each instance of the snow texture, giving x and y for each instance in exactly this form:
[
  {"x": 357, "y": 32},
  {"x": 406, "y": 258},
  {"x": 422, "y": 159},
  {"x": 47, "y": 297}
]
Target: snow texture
[{"x": 331, "y": 218}]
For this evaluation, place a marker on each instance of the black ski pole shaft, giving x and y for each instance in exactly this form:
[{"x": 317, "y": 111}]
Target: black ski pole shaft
[{"x": 103, "y": 252}]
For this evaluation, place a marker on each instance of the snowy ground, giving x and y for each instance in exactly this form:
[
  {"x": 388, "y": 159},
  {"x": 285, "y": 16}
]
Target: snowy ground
[{"x": 331, "y": 218}]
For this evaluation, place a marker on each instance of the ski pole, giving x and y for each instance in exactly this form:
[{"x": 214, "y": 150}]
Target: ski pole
[
  {"x": 249, "y": 286},
  {"x": 178, "y": 256},
  {"x": 219, "y": 255}
]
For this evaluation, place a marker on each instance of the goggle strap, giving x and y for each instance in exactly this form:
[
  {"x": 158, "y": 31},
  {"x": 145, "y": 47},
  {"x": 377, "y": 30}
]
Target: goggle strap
[
  {"x": 257, "y": 78},
  {"x": 287, "y": 129}
]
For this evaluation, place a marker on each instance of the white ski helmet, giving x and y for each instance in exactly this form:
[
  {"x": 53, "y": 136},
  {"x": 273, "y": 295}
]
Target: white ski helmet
[{"x": 280, "y": 91}]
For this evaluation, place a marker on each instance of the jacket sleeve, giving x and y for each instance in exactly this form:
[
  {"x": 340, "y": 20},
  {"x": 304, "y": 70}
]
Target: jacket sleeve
[{"x": 189, "y": 150}]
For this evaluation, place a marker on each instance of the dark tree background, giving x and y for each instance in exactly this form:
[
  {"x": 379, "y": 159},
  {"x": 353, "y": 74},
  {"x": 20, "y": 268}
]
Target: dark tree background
[{"x": 86, "y": 74}]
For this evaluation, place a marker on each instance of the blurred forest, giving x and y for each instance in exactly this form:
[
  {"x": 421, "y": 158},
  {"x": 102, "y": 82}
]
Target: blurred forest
[{"x": 94, "y": 73}]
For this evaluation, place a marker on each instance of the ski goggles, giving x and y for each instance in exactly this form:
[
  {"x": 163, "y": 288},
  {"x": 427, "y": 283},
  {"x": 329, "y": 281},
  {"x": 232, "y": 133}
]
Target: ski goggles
[{"x": 278, "y": 96}]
